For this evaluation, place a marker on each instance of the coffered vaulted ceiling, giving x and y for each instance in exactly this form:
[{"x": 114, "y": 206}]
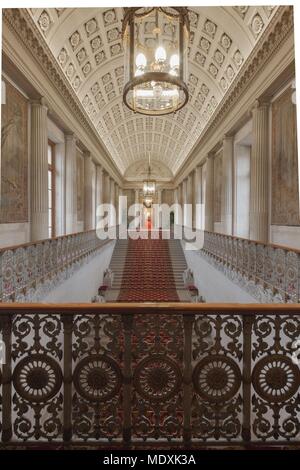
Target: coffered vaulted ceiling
[{"x": 87, "y": 44}]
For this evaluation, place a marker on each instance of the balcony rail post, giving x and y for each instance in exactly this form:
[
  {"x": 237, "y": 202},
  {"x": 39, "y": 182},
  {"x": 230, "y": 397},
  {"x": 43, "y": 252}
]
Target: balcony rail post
[
  {"x": 247, "y": 350},
  {"x": 67, "y": 321},
  {"x": 188, "y": 321},
  {"x": 127, "y": 320},
  {"x": 6, "y": 326}
]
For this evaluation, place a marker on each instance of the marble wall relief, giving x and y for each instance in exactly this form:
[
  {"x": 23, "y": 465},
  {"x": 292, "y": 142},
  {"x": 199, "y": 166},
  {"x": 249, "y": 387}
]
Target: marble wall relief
[
  {"x": 285, "y": 197},
  {"x": 14, "y": 158}
]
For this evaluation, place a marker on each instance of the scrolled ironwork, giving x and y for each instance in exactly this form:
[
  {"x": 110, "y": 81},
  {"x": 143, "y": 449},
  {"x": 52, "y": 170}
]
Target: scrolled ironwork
[{"x": 191, "y": 373}]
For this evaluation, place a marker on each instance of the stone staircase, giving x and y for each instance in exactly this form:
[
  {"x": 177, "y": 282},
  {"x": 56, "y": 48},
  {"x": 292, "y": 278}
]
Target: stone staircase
[{"x": 117, "y": 264}]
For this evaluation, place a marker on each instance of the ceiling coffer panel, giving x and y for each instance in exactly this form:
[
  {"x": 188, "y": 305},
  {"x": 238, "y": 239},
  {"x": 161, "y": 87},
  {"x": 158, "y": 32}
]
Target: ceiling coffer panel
[{"x": 87, "y": 44}]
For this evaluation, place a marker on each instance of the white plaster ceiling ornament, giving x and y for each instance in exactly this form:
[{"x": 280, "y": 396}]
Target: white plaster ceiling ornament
[
  {"x": 242, "y": 10},
  {"x": 257, "y": 25},
  {"x": 44, "y": 21},
  {"x": 216, "y": 31}
]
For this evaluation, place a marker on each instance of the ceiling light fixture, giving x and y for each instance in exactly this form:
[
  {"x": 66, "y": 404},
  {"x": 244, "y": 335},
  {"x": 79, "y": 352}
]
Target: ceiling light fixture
[{"x": 155, "y": 43}]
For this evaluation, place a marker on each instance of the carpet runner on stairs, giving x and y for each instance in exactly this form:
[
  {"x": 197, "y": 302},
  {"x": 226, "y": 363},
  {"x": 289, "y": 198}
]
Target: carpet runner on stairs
[{"x": 148, "y": 273}]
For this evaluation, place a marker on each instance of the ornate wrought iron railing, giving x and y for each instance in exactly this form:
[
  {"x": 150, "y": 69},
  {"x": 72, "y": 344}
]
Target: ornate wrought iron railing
[
  {"x": 29, "y": 271},
  {"x": 138, "y": 373},
  {"x": 271, "y": 273}
]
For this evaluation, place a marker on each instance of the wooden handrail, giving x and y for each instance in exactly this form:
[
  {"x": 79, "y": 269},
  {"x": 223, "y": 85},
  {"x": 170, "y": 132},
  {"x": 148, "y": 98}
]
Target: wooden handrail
[
  {"x": 256, "y": 242},
  {"x": 44, "y": 240},
  {"x": 233, "y": 237},
  {"x": 150, "y": 308}
]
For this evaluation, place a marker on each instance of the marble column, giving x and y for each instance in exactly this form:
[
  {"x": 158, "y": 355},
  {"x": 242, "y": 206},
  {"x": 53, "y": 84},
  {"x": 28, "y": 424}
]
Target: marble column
[
  {"x": 259, "y": 220},
  {"x": 176, "y": 204},
  {"x": 99, "y": 188},
  {"x": 189, "y": 200},
  {"x": 184, "y": 201},
  {"x": 39, "y": 171},
  {"x": 209, "y": 194},
  {"x": 89, "y": 216},
  {"x": 117, "y": 193},
  {"x": 99, "y": 185},
  {"x": 227, "y": 185},
  {"x": 159, "y": 202},
  {"x": 71, "y": 183},
  {"x": 180, "y": 191},
  {"x": 112, "y": 202},
  {"x": 106, "y": 192},
  {"x": 198, "y": 197}
]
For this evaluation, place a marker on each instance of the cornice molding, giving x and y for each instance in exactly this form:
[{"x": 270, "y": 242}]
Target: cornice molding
[
  {"x": 20, "y": 22},
  {"x": 272, "y": 39}
]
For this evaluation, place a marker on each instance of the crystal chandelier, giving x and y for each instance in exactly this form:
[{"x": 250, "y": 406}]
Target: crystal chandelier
[{"x": 155, "y": 43}]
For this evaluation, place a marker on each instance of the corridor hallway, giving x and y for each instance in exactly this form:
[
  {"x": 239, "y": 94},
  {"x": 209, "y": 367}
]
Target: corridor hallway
[{"x": 110, "y": 342}]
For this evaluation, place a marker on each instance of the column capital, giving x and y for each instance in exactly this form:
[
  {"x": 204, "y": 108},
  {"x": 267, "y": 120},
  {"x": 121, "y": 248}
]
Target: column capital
[
  {"x": 259, "y": 103},
  {"x": 228, "y": 136},
  {"x": 70, "y": 136},
  {"x": 87, "y": 154},
  {"x": 40, "y": 102},
  {"x": 210, "y": 156}
]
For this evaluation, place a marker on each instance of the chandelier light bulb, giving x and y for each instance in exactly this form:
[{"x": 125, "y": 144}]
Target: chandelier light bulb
[
  {"x": 140, "y": 60},
  {"x": 160, "y": 54},
  {"x": 174, "y": 61}
]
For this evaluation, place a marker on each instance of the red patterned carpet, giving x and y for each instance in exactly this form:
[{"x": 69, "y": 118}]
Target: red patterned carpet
[{"x": 148, "y": 273}]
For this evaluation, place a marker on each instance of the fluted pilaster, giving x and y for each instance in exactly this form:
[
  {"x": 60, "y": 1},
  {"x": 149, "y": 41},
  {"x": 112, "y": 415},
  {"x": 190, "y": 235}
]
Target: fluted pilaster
[
  {"x": 184, "y": 199},
  {"x": 189, "y": 200},
  {"x": 99, "y": 185},
  {"x": 227, "y": 183},
  {"x": 209, "y": 194},
  {"x": 39, "y": 171},
  {"x": 89, "y": 216},
  {"x": 112, "y": 201},
  {"x": 176, "y": 202},
  {"x": 259, "y": 174},
  {"x": 198, "y": 196},
  {"x": 71, "y": 183}
]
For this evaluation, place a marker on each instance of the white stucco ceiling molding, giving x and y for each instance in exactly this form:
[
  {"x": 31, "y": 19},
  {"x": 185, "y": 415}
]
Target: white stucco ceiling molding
[
  {"x": 220, "y": 41},
  {"x": 273, "y": 37},
  {"x": 20, "y": 21},
  {"x": 138, "y": 171}
]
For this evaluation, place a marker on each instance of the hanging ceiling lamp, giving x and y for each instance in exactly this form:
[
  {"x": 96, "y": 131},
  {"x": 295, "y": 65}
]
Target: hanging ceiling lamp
[
  {"x": 149, "y": 184},
  {"x": 155, "y": 42}
]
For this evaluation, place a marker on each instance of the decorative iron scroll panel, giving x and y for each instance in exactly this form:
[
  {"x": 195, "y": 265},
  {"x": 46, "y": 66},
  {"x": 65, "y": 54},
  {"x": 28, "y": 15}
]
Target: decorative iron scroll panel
[{"x": 178, "y": 377}]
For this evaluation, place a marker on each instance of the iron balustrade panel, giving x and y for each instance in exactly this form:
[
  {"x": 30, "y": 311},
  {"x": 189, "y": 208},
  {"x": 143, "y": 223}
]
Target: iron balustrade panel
[
  {"x": 269, "y": 272},
  {"x": 196, "y": 374},
  {"x": 29, "y": 271},
  {"x": 96, "y": 396},
  {"x": 217, "y": 363},
  {"x": 157, "y": 371}
]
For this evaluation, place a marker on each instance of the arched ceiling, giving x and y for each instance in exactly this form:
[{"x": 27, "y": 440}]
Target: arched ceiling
[
  {"x": 138, "y": 171},
  {"x": 87, "y": 44}
]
